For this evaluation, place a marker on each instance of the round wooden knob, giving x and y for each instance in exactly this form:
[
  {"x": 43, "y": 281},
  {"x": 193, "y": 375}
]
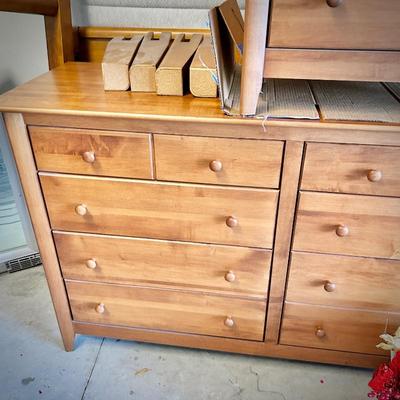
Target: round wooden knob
[
  {"x": 89, "y": 156},
  {"x": 100, "y": 308},
  {"x": 342, "y": 230},
  {"x": 333, "y": 3},
  {"x": 230, "y": 276},
  {"x": 319, "y": 332},
  {"x": 81, "y": 209},
  {"x": 91, "y": 263},
  {"x": 216, "y": 166},
  {"x": 232, "y": 222},
  {"x": 229, "y": 322},
  {"x": 374, "y": 175},
  {"x": 330, "y": 286}
]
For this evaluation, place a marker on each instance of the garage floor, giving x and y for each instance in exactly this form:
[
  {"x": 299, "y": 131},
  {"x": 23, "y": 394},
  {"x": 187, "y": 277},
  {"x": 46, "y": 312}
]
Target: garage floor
[{"x": 33, "y": 364}]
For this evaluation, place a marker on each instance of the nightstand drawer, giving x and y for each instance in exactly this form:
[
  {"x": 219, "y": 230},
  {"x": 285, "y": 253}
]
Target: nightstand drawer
[
  {"x": 170, "y": 310},
  {"x": 343, "y": 281},
  {"x": 92, "y": 152},
  {"x": 123, "y": 260},
  {"x": 335, "y": 328},
  {"x": 195, "y": 213},
  {"x": 335, "y": 24},
  {"x": 346, "y": 224},
  {"x": 219, "y": 161},
  {"x": 352, "y": 169}
]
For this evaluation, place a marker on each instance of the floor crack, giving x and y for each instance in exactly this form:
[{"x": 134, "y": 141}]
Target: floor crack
[{"x": 91, "y": 371}]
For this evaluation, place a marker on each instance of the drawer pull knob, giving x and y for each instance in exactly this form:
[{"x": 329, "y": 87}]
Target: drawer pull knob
[
  {"x": 230, "y": 276},
  {"x": 81, "y": 209},
  {"x": 229, "y": 322},
  {"x": 342, "y": 230},
  {"x": 91, "y": 263},
  {"x": 232, "y": 222},
  {"x": 89, "y": 156},
  {"x": 100, "y": 308},
  {"x": 330, "y": 286},
  {"x": 319, "y": 332},
  {"x": 333, "y": 3},
  {"x": 374, "y": 175},
  {"x": 215, "y": 166}
]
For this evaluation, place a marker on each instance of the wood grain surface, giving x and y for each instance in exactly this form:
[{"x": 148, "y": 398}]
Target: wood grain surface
[
  {"x": 192, "y": 266},
  {"x": 169, "y": 310},
  {"x": 161, "y": 210},
  {"x": 115, "y": 153},
  {"x": 243, "y": 162}
]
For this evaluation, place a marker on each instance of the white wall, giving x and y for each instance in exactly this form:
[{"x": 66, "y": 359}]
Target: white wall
[{"x": 23, "y": 56}]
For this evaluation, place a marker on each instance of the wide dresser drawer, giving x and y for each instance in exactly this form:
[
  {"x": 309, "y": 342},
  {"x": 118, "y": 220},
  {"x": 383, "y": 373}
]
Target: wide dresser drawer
[
  {"x": 335, "y": 328},
  {"x": 92, "y": 152},
  {"x": 185, "y": 212},
  {"x": 354, "y": 282},
  {"x": 167, "y": 310},
  {"x": 219, "y": 161},
  {"x": 124, "y": 260},
  {"x": 354, "y": 169},
  {"x": 347, "y": 224},
  {"x": 335, "y": 24}
]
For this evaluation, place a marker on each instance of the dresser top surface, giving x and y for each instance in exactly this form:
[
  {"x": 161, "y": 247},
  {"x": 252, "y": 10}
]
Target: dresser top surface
[{"x": 76, "y": 89}]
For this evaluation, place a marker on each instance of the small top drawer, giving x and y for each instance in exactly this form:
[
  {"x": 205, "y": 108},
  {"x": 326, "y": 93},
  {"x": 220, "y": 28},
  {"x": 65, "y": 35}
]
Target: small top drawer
[
  {"x": 221, "y": 161},
  {"x": 335, "y": 24},
  {"x": 92, "y": 152},
  {"x": 352, "y": 169}
]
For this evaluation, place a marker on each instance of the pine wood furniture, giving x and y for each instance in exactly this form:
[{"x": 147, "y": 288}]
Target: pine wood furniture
[{"x": 162, "y": 220}]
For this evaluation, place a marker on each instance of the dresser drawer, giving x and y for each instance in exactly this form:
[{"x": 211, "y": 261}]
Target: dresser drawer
[
  {"x": 335, "y": 328},
  {"x": 352, "y": 169},
  {"x": 92, "y": 152},
  {"x": 161, "y": 210},
  {"x": 170, "y": 310},
  {"x": 350, "y": 225},
  {"x": 220, "y": 161},
  {"x": 125, "y": 260},
  {"x": 356, "y": 282},
  {"x": 354, "y": 24}
]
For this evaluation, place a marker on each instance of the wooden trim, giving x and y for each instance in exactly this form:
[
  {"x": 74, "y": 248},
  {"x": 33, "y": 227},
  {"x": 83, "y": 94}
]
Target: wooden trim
[
  {"x": 283, "y": 235},
  {"x": 19, "y": 139},
  {"x": 352, "y": 65},
  {"x": 230, "y": 345},
  {"x": 92, "y": 41},
  {"x": 59, "y": 35},
  {"x": 42, "y": 7},
  {"x": 379, "y": 134},
  {"x": 255, "y": 34}
]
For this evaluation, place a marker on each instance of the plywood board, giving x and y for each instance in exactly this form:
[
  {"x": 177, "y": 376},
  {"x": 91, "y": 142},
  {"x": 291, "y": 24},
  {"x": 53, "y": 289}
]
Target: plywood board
[
  {"x": 116, "y": 61},
  {"x": 172, "y": 76},
  {"x": 203, "y": 72},
  {"x": 355, "y": 101},
  {"x": 142, "y": 73}
]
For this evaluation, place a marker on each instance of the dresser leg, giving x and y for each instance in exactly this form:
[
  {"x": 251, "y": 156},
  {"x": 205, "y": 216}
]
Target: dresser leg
[{"x": 20, "y": 144}]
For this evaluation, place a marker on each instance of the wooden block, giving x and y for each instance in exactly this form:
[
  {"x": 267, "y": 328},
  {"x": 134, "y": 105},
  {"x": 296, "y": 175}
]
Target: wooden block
[
  {"x": 172, "y": 76},
  {"x": 203, "y": 72},
  {"x": 143, "y": 70},
  {"x": 116, "y": 61}
]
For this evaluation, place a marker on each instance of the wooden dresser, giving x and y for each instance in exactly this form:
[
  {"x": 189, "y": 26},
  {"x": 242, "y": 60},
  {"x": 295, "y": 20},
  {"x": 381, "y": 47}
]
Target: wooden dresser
[{"x": 161, "y": 220}]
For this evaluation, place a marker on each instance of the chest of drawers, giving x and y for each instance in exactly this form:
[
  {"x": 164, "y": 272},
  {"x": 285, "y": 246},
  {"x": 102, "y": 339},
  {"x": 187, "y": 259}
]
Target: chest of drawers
[{"x": 188, "y": 228}]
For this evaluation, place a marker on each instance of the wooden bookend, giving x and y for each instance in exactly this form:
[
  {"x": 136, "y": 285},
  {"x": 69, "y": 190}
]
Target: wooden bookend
[
  {"x": 116, "y": 61},
  {"x": 172, "y": 76},
  {"x": 143, "y": 70},
  {"x": 203, "y": 72}
]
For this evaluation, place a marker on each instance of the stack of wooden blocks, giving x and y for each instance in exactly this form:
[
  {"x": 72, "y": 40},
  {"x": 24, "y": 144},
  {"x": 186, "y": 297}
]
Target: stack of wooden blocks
[{"x": 144, "y": 63}]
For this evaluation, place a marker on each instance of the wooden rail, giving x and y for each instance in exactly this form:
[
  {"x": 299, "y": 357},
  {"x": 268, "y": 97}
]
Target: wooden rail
[
  {"x": 43, "y": 7},
  {"x": 57, "y": 19}
]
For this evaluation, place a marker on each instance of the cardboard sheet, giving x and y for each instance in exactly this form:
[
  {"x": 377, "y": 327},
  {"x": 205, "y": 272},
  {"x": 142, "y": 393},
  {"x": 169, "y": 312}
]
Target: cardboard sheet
[
  {"x": 394, "y": 88},
  {"x": 355, "y": 101}
]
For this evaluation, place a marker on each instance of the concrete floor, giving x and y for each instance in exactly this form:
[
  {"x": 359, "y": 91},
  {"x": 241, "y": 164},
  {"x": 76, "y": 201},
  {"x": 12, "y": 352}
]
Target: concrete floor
[{"x": 33, "y": 364}]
